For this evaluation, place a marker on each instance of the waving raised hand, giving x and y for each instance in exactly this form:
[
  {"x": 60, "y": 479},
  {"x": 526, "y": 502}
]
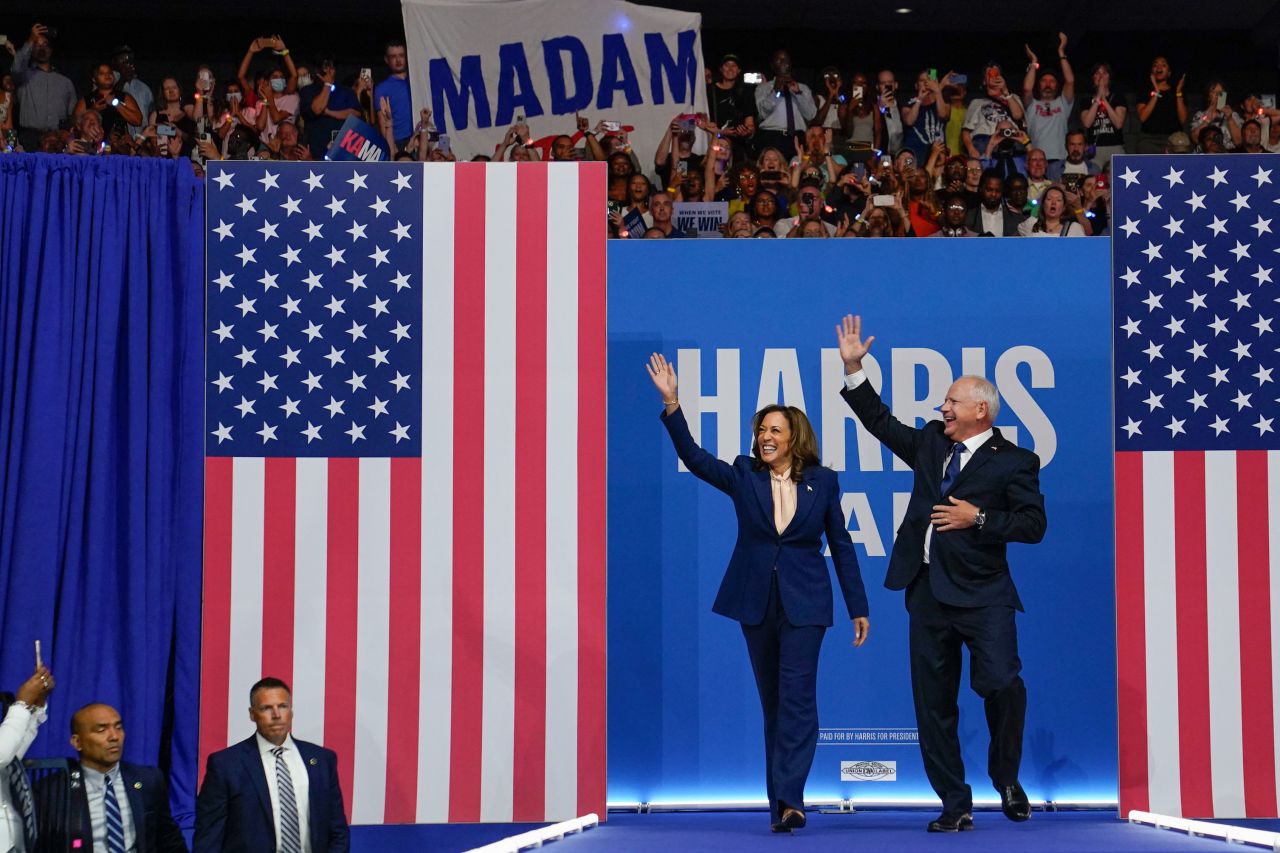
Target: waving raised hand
[
  {"x": 663, "y": 375},
  {"x": 852, "y": 346}
]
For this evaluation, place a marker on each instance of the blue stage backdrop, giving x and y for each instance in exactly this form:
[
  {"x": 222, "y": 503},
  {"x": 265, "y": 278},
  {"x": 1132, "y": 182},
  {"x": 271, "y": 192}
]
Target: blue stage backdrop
[{"x": 753, "y": 323}]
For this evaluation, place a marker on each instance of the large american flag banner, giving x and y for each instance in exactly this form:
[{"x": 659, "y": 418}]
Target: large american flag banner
[
  {"x": 1197, "y": 469},
  {"x": 405, "y": 478}
]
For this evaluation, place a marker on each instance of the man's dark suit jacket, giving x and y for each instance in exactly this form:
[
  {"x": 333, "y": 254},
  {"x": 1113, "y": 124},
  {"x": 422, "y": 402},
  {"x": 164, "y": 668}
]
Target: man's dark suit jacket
[
  {"x": 233, "y": 810},
  {"x": 973, "y": 221},
  {"x": 156, "y": 830},
  {"x": 967, "y": 568}
]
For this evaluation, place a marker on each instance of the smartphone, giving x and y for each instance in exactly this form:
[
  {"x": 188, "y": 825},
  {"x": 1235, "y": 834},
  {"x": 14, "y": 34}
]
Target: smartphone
[
  {"x": 752, "y": 77},
  {"x": 611, "y": 126},
  {"x": 860, "y": 171},
  {"x": 856, "y": 92},
  {"x": 366, "y": 73},
  {"x": 520, "y": 119},
  {"x": 682, "y": 166},
  {"x": 960, "y": 79},
  {"x": 4, "y": 39},
  {"x": 1222, "y": 100},
  {"x": 882, "y": 200},
  {"x": 771, "y": 175},
  {"x": 166, "y": 130},
  {"x": 933, "y": 74},
  {"x": 1268, "y": 101},
  {"x": 206, "y": 137},
  {"x": 1101, "y": 182},
  {"x": 443, "y": 143}
]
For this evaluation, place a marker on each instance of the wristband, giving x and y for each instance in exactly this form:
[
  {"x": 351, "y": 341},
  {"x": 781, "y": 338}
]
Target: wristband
[
  {"x": 284, "y": 52},
  {"x": 672, "y": 402}
]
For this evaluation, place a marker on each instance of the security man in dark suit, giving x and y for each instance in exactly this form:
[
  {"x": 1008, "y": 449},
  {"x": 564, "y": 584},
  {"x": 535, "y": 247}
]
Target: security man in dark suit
[
  {"x": 271, "y": 793},
  {"x": 974, "y": 493},
  {"x": 107, "y": 805}
]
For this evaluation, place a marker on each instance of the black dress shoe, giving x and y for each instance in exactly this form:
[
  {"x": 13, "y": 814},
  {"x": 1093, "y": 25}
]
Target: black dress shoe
[
  {"x": 1014, "y": 802},
  {"x": 962, "y": 822},
  {"x": 791, "y": 819}
]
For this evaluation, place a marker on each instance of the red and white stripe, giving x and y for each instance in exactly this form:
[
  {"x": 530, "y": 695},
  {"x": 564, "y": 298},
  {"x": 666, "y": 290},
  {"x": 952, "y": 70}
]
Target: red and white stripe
[
  {"x": 1197, "y": 582},
  {"x": 441, "y": 620}
]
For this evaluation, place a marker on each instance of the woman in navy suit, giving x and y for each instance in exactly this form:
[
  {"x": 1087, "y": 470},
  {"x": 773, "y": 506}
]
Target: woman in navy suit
[{"x": 777, "y": 584}]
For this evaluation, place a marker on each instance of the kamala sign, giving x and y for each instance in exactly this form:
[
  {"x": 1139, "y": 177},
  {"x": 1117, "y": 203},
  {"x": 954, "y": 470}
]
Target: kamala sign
[{"x": 480, "y": 66}]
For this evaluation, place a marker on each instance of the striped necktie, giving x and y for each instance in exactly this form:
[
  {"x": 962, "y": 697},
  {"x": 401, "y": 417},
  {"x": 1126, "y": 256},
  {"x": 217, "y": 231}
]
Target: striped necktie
[
  {"x": 20, "y": 793},
  {"x": 115, "y": 826},
  {"x": 290, "y": 839}
]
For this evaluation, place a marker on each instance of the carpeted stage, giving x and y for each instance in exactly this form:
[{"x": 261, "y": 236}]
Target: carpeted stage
[{"x": 745, "y": 832}]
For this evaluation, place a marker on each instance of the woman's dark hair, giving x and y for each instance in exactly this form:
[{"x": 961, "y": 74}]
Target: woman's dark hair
[
  {"x": 758, "y": 197},
  {"x": 804, "y": 444}
]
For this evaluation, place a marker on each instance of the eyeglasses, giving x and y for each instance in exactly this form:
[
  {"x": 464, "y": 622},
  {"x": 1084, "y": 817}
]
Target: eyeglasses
[{"x": 973, "y": 168}]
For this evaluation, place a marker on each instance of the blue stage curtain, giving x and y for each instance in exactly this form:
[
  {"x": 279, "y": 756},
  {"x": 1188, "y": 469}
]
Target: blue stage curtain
[{"x": 101, "y": 473}]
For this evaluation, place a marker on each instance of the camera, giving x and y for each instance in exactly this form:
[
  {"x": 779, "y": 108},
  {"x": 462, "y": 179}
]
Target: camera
[{"x": 1007, "y": 132}]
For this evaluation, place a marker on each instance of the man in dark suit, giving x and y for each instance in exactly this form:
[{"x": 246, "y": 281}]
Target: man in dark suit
[
  {"x": 974, "y": 492},
  {"x": 111, "y": 806},
  {"x": 271, "y": 792},
  {"x": 991, "y": 217}
]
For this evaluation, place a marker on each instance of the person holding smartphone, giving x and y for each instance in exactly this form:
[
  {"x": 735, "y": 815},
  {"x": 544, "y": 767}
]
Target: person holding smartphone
[
  {"x": 46, "y": 98},
  {"x": 326, "y": 105},
  {"x": 926, "y": 115},
  {"x": 1217, "y": 112},
  {"x": 731, "y": 103},
  {"x": 777, "y": 585},
  {"x": 23, "y": 715},
  {"x": 785, "y": 106},
  {"x": 115, "y": 107}
]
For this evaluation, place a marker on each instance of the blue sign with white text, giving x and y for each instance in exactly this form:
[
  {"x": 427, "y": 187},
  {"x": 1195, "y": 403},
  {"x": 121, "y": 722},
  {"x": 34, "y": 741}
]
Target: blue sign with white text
[{"x": 748, "y": 323}]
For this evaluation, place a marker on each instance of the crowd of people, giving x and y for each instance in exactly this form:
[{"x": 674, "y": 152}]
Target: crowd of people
[{"x": 1023, "y": 153}]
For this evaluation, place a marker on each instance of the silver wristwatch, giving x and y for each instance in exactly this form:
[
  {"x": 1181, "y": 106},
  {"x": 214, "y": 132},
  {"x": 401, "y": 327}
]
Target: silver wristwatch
[{"x": 981, "y": 519}]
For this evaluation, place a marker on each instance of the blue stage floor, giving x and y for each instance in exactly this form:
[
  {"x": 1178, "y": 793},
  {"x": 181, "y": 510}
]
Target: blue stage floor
[{"x": 746, "y": 832}]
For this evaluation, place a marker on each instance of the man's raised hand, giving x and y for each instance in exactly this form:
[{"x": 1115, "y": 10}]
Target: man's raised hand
[{"x": 852, "y": 346}]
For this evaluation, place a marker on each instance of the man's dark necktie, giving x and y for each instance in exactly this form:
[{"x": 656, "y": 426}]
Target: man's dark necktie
[
  {"x": 20, "y": 794},
  {"x": 791, "y": 112},
  {"x": 115, "y": 825},
  {"x": 290, "y": 837},
  {"x": 953, "y": 467}
]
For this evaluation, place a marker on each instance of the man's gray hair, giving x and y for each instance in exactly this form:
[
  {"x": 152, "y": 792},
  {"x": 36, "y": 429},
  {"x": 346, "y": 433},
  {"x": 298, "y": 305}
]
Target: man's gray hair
[{"x": 985, "y": 392}]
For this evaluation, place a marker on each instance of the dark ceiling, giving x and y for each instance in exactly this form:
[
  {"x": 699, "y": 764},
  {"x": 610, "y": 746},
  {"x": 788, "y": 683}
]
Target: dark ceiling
[
  {"x": 849, "y": 16},
  {"x": 1235, "y": 39}
]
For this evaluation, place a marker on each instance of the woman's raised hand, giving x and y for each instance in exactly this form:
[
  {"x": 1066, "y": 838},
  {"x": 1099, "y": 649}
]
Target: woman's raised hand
[{"x": 663, "y": 376}]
